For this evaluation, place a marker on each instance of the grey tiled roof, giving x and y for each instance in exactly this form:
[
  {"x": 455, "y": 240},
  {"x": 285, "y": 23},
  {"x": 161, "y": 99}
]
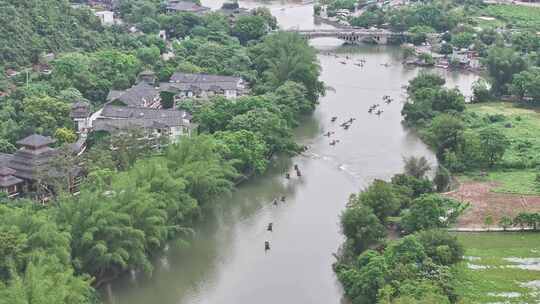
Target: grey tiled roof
[
  {"x": 202, "y": 78},
  {"x": 185, "y": 6},
  {"x": 116, "y": 118},
  {"x": 80, "y": 109},
  {"x": 5, "y": 171},
  {"x": 7, "y": 181},
  {"x": 36, "y": 140},
  {"x": 30, "y": 163},
  {"x": 5, "y": 158},
  {"x": 142, "y": 113},
  {"x": 200, "y": 82},
  {"x": 214, "y": 87},
  {"x": 136, "y": 95}
]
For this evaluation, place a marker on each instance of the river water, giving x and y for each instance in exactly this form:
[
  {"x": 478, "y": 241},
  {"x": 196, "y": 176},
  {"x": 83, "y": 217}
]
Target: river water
[{"x": 227, "y": 263}]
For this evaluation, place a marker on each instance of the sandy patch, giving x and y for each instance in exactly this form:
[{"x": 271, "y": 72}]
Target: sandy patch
[{"x": 486, "y": 203}]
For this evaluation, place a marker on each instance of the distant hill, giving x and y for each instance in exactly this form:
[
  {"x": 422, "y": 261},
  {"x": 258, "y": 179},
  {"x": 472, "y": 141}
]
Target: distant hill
[{"x": 32, "y": 27}]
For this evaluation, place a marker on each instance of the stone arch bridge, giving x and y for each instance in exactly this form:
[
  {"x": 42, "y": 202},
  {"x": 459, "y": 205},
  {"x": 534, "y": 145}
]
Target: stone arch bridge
[{"x": 378, "y": 36}]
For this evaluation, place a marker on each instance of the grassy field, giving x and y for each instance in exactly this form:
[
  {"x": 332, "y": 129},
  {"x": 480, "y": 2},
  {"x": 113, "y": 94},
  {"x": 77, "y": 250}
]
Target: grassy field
[
  {"x": 517, "y": 171},
  {"x": 487, "y": 277},
  {"x": 515, "y": 182},
  {"x": 515, "y": 15}
]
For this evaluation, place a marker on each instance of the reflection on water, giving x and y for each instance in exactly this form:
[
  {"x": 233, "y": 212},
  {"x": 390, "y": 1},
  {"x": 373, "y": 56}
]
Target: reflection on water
[{"x": 226, "y": 263}]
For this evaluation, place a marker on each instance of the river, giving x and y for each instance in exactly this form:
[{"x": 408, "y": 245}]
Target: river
[{"x": 226, "y": 263}]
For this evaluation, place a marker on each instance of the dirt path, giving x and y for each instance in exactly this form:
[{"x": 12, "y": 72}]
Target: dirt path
[{"x": 485, "y": 203}]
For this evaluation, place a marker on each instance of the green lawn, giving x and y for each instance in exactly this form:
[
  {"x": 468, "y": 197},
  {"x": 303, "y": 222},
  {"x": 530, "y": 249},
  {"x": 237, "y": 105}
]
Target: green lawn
[
  {"x": 518, "y": 16},
  {"x": 497, "y": 277},
  {"x": 517, "y": 171},
  {"x": 520, "y": 125}
]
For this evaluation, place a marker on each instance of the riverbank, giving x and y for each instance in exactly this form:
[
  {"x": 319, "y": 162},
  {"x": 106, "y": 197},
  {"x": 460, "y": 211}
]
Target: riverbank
[{"x": 226, "y": 262}]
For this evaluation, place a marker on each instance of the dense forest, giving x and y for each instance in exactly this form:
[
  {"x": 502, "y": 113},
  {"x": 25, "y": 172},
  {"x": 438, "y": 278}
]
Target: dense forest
[{"x": 31, "y": 28}]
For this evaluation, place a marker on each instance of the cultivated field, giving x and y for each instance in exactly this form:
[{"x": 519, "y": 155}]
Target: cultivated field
[{"x": 485, "y": 202}]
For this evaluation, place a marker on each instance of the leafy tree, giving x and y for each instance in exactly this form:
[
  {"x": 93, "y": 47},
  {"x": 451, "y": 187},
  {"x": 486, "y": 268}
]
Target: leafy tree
[
  {"x": 408, "y": 250},
  {"x": 361, "y": 227},
  {"x": 104, "y": 243},
  {"x": 525, "y": 41},
  {"x": 198, "y": 161},
  {"x": 32, "y": 28},
  {"x": 442, "y": 247},
  {"x": 463, "y": 39},
  {"x": 416, "y": 166},
  {"x": 382, "y": 197},
  {"x": 43, "y": 114},
  {"x": 446, "y": 131},
  {"x": 94, "y": 74},
  {"x": 488, "y": 36},
  {"x": 412, "y": 186},
  {"x": 148, "y": 55},
  {"x": 24, "y": 232},
  {"x": 481, "y": 92},
  {"x": 526, "y": 84},
  {"x": 250, "y": 27},
  {"x": 283, "y": 57},
  {"x": 65, "y": 135},
  {"x": 442, "y": 178},
  {"x": 292, "y": 98},
  {"x": 428, "y": 211},
  {"x": 264, "y": 12},
  {"x": 419, "y": 33},
  {"x": 494, "y": 144},
  {"x": 502, "y": 64},
  {"x": 425, "y": 80},
  {"x": 270, "y": 127},
  {"x": 45, "y": 280},
  {"x": 247, "y": 147},
  {"x": 363, "y": 283}
]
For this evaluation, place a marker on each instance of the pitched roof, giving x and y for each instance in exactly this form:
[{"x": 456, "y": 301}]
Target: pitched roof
[
  {"x": 185, "y": 6},
  {"x": 29, "y": 164},
  {"x": 117, "y": 118},
  {"x": 136, "y": 95},
  {"x": 5, "y": 158},
  {"x": 203, "y": 78},
  {"x": 36, "y": 141},
  {"x": 110, "y": 111},
  {"x": 7, "y": 179},
  {"x": 5, "y": 171},
  {"x": 80, "y": 109},
  {"x": 10, "y": 180}
]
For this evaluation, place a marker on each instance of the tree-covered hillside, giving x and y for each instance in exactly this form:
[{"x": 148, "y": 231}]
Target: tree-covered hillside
[{"x": 32, "y": 27}]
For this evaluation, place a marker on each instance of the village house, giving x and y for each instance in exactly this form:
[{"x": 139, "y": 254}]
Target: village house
[
  {"x": 80, "y": 113},
  {"x": 105, "y": 17},
  {"x": 139, "y": 107},
  {"x": 184, "y": 85},
  {"x": 155, "y": 123},
  {"x": 143, "y": 94},
  {"x": 29, "y": 169},
  {"x": 179, "y": 6}
]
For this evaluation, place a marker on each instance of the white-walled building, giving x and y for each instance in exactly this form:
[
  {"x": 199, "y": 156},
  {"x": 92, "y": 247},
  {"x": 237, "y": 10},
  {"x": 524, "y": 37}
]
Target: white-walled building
[{"x": 106, "y": 17}]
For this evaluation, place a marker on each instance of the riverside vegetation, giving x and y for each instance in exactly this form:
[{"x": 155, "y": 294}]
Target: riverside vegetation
[{"x": 135, "y": 200}]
